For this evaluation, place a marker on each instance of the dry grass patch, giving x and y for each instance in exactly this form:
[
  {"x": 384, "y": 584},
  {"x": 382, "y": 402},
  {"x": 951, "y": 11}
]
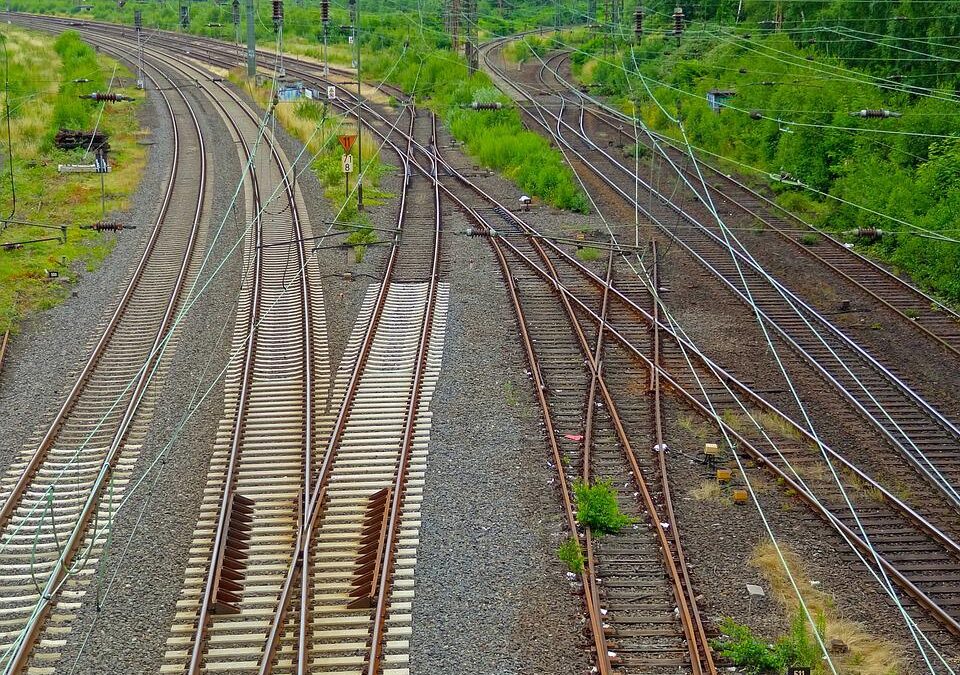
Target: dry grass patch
[{"x": 867, "y": 655}]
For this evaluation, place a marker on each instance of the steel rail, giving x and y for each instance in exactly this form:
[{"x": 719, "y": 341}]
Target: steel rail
[
  {"x": 18, "y": 660},
  {"x": 747, "y": 260},
  {"x": 26, "y": 476},
  {"x": 757, "y": 455},
  {"x": 809, "y": 499},
  {"x": 661, "y": 452},
  {"x": 910, "y": 456},
  {"x": 686, "y": 615},
  {"x": 914, "y": 517},
  {"x": 587, "y": 579},
  {"x": 918, "y": 295},
  {"x": 300, "y": 564},
  {"x": 220, "y": 540}
]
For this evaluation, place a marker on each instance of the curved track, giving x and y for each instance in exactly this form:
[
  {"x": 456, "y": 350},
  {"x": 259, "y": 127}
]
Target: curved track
[
  {"x": 916, "y": 429},
  {"x": 77, "y": 473}
]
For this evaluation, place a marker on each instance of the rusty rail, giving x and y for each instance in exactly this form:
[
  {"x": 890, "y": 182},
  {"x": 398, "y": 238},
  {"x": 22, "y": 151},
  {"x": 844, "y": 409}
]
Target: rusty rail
[{"x": 20, "y": 657}]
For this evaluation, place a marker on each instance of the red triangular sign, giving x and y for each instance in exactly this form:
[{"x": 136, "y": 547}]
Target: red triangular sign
[{"x": 347, "y": 142}]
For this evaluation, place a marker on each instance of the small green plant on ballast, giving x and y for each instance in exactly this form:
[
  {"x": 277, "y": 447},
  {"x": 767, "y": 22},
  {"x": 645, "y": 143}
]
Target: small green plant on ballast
[
  {"x": 597, "y": 507},
  {"x": 797, "y": 648},
  {"x": 359, "y": 239},
  {"x": 571, "y": 554},
  {"x": 588, "y": 253}
]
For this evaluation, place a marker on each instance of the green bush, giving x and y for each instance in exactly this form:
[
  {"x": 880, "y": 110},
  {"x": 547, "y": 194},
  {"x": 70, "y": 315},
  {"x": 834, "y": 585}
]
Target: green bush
[
  {"x": 571, "y": 554},
  {"x": 597, "y": 507},
  {"x": 796, "y": 648}
]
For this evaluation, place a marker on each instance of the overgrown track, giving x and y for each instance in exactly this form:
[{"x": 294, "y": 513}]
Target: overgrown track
[
  {"x": 916, "y": 429},
  {"x": 60, "y": 495}
]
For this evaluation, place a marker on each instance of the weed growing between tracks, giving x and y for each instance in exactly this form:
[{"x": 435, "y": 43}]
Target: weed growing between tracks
[
  {"x": 865, "y": 655},
  {"x": 597, "y": 507},
  {"x": 43, "y": 98},
  {"x": 571, "y": 554}
]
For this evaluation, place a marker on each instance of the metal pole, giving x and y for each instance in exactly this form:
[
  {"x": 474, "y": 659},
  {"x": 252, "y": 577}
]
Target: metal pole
[
  {"x": 6, "y": 103},
  {"x": 356, "y": 44},
  {"x": 251, "y": 42}
]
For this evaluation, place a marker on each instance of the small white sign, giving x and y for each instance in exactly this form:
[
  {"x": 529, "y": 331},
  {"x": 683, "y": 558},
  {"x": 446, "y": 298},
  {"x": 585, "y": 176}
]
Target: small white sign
[
  {"x": 350, "y": 39},
  {"x": 331, "y": 93},
  {"x": 346, "y": 161}
]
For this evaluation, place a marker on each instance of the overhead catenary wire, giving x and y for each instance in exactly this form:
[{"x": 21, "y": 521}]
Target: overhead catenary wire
[{"x": 890, "y": 590}]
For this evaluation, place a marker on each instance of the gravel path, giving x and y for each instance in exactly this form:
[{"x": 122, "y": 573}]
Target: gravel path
[{"x": 491, "y": 595}]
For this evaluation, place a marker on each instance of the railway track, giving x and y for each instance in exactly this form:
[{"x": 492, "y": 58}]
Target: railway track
[
  {"x": 63, "y": 489},
  {"x": 916, "y": 429},
  {"x": 919, "y": 558}
]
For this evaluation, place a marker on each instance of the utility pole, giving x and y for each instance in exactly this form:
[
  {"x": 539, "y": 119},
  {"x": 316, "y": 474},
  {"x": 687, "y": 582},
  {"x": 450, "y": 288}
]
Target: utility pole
[
  {"x": 455, "y": 25},
  {"x": 138, "y": 24},
  {"x": 355, "y": 15},
  {"x": 251, "y": 42},
  {"x": 325, "y": 18},
  {"x": 471, "y": 46}
]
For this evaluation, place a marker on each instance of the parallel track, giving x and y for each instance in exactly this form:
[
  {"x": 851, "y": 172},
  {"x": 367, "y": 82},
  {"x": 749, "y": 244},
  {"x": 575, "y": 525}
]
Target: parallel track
[
  {"x": 77, "y": 472},
  {"x": 916, "y": 429}
]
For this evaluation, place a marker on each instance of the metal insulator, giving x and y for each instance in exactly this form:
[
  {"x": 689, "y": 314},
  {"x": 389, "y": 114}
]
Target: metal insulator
[
  {"x": 325, "y": 11},
  {"x": 81, "y": 80},
  {"x": 277, "y": 14},
  {"x": 742, "y": 71},
  {"x": 235, "y": 12},
  {"x": 875, "y": 113},
  {"x": 138, "y": 19},
  {"x": 767, "y": 83},
  {"x": 677, "y": 21},
  {"x": 184, "y": 17},
  {"x": 104, "y": 226},
  {"x": 106, "y": 97},
  {"x": 869, "y": 232},
  {"x": 638, "y": 23},
  {"x": 756, "y": 115},
  {"x": 496, "y": 105},
  {"x": 214, "y": 25}
]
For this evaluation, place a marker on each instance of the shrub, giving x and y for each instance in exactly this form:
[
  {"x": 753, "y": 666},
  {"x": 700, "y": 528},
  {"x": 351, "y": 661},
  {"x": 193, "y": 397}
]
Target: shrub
[
  {"x": 588, "y": 253},
  {"x": 597, "y": 507},
  {"x": 796, "y": 648},
  {"x": 571, "y": 554}
]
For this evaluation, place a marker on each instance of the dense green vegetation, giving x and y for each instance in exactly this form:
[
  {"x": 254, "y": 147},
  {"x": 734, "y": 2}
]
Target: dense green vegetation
[
  {"x": 43, "y": 98},
  {"x": 597, "y": 507},
  {"x": 791, "y": 115},
  {"x": 407, "y": 48},
  {"x": 755, "y": 655}
]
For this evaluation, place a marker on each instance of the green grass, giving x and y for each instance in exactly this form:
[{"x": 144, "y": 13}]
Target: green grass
[
  {"x": 597, "y": 507},
  {"x": 796, "y": 648},
  {"x": 39, "y": 106},
  {"x": 588, "y": 253}
]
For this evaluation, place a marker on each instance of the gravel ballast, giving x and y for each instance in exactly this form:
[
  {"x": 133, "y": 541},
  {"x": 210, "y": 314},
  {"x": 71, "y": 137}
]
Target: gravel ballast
[{"x": 491, "y": 595}]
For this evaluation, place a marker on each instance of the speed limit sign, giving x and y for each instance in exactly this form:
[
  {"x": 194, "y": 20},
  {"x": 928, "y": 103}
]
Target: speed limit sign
[
  {"x": 346, "y": 161},
  {"x": 331, "y": 93}
]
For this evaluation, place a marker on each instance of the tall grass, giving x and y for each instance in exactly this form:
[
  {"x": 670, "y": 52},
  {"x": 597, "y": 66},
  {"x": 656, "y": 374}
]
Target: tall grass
[{"x": 43, "y": 97}]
